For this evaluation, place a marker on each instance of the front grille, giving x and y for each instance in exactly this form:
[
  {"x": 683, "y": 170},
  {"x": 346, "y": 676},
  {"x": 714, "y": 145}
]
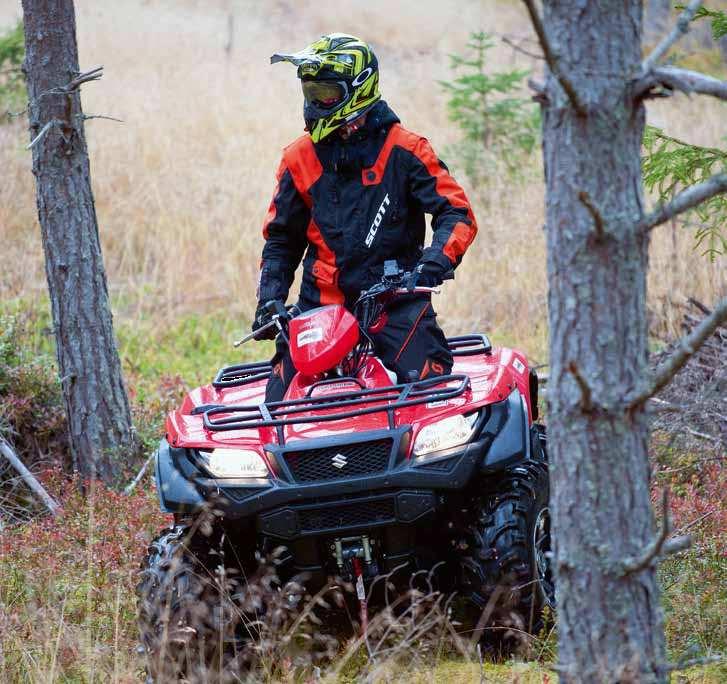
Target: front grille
[
  {"x": 350, "y": 515},
  {"x": 317, "y": 465},
  {"x": 241, "y": 493}
]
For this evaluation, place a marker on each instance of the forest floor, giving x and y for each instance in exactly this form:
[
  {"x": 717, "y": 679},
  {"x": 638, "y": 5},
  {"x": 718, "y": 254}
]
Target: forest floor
[{"x": 67, "y": 608}]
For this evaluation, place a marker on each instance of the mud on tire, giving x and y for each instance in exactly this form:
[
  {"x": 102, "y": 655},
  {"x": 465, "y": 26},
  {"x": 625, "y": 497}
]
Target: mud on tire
[
  {"x": 508, "y": 556},
  {"x": 187, "y": 620}
]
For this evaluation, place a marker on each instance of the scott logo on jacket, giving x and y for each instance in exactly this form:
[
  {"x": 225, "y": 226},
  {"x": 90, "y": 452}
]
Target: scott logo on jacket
[{"x": 377, "y": 220}]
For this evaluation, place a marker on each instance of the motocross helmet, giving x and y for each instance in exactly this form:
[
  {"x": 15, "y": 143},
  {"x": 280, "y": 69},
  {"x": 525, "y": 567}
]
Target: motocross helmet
[{"x": 340, "y": 78}]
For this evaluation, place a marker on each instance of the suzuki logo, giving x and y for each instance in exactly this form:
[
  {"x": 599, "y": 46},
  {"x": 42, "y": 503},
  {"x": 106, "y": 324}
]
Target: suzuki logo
[{"x": 339, "y": 461}]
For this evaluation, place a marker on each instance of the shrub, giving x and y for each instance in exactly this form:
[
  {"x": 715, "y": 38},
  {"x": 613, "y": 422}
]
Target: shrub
[
  {"x": 31, "y": 406},
  {"x": 497, "y": 126}
]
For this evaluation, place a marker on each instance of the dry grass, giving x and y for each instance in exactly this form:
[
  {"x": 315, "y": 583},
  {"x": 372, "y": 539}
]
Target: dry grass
[{"x": 182, "y": 186}]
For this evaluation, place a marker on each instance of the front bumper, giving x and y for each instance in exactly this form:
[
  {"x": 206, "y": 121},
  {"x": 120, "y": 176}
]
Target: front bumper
[{"x": 403, "y": 492}]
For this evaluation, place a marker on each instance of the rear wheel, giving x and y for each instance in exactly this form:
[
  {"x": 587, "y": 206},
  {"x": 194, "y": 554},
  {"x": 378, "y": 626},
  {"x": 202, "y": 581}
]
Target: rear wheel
[{"x": 507, "y": 569}]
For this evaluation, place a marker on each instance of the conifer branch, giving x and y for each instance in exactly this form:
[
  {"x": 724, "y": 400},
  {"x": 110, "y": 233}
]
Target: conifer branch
[
  {"x": 682, "y": 26},
  {"x": 685, "y": 200},
  {"x": 686, "y": 348},
  {"x": 553, "y": 60}
]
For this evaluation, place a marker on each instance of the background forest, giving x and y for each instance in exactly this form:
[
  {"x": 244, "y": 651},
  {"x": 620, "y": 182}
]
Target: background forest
[{"x": 181, "y": 188}]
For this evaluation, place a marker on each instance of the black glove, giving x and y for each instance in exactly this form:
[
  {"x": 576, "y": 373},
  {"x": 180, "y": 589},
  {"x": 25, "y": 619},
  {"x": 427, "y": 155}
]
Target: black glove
[
  {"x": 263, "y": 316},
  {"x": 426, "y": 274}
]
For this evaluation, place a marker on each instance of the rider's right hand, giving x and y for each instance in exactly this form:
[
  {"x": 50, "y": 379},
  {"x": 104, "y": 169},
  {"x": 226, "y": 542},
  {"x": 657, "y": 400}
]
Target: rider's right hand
[{"x": 263, "y": 316}]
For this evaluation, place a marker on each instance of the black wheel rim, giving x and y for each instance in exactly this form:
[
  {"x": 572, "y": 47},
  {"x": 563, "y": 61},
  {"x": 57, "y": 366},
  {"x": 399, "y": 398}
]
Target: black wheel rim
[{"x": 542, "y": 555}]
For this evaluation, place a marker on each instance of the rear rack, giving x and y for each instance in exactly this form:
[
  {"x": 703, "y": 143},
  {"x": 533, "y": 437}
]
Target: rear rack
[
  {"x": 279, "y": 413},
  {"x": 244, "y": 373},
  {"x": 469, "y": 345}
]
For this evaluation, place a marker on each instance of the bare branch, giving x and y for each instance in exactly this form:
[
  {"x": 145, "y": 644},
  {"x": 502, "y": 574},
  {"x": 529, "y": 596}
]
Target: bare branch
[
  {"x": 587, "y": 202},
  {"x": 74, "y": 84},
  {"x": 685, "y": 200},
  {"x": 684, "y": 80},
  {"x": 553, "y": 60},
  {"x": 88, "y": 117},
  {"x": 661, "y": 546},
  {"x": 519, "y": 48},
  {"x": 85, "y": 77},
  {"x": 682, "y": 26},
  {"x": 586, "y": 401},
  {"x": 40, "y": 135},
  {"x": 686, "y": 348}
]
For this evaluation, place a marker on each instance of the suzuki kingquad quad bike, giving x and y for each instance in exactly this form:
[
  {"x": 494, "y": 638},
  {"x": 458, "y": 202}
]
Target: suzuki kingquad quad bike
[{"x": 351, "y": 476}]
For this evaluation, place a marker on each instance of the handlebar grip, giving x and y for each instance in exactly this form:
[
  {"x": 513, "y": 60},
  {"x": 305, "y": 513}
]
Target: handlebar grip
[{"x": 275, "y": 306}]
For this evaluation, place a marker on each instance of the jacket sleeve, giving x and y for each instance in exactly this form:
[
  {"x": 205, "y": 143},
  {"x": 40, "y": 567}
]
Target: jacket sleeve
[
  {"x": 284, "y": 231},
  {"x": 453, "y": 223}
]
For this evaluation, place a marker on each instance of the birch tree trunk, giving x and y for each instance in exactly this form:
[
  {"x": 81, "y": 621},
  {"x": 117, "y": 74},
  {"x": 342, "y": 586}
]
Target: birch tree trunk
[
  {"x": 609, "y": 622},
  {"x": 95, "y": 400}
]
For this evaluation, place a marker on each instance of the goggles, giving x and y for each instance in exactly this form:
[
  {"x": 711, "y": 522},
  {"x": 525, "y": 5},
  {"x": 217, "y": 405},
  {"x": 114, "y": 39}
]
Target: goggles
[{"x": 325, "y": 94}]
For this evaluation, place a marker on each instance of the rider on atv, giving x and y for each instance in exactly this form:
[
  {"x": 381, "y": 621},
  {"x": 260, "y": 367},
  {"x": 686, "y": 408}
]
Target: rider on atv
[{"x": 352, "y": 193}]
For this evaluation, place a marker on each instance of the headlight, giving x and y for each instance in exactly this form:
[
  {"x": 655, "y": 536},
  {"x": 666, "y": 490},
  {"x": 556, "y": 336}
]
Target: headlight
[
  {"x": 234, "y": 463},
  {"x": 444, "y": 434}
]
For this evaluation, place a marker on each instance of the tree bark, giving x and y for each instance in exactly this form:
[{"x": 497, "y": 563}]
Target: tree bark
[
  {"x": 98, "y": 412},
  {"x": 609, "y": 623}
]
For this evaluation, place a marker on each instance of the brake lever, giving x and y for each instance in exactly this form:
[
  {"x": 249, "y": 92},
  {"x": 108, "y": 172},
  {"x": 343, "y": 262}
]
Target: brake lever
[{"x": 279, "y": 311}]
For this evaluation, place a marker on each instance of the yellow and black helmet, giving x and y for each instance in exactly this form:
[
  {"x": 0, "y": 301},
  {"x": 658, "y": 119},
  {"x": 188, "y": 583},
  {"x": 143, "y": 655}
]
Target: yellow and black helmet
[{"x": 340, "y": 78}]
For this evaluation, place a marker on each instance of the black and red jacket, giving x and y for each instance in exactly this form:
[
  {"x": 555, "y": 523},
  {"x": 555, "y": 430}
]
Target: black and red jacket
[{"x": 351, "y": 205}]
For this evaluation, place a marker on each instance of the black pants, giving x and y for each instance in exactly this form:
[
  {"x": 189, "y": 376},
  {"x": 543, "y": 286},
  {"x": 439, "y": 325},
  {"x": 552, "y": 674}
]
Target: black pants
[{"x": 411, "y": 343}]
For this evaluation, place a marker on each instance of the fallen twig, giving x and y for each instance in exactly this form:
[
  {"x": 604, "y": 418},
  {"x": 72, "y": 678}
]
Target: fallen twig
[
  {"x": 130, "y": 487},
  {"x": 28, "y": 477}
]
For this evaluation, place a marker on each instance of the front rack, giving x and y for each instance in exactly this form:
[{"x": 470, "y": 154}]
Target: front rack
[{"x": 279, "y": 413}]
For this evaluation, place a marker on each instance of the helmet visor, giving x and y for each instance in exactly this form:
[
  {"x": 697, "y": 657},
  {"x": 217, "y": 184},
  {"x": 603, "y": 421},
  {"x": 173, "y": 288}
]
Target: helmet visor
[{"x": 324, "y": 94}]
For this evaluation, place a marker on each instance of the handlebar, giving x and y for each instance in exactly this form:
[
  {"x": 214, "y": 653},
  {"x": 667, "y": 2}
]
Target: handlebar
[{"x": 390, "y": 284}]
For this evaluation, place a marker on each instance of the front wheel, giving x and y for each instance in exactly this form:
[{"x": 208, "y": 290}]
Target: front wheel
[
  {"x": 508, "y": 556},
  {"x": 187, "y": 621}
]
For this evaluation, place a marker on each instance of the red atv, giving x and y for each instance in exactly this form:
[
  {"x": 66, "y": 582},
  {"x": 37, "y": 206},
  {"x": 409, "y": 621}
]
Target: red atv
[{"x": 353, "y": 474}]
